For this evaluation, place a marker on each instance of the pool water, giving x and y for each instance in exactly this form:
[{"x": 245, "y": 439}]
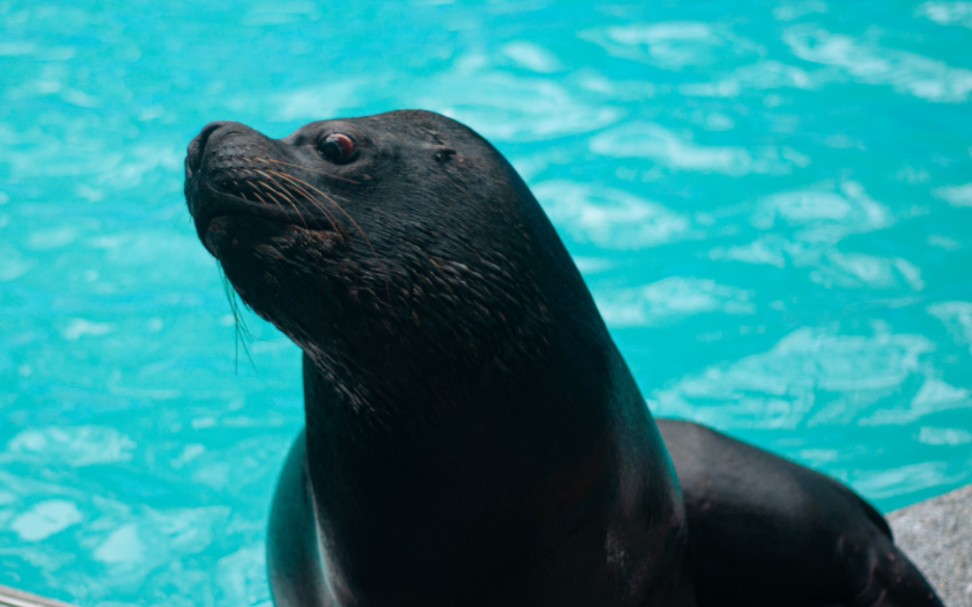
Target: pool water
[{"x": 772, "y": 203}]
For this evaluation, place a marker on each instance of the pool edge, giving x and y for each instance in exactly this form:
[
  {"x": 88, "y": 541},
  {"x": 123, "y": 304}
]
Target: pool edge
[{"x": 937, "y": 535}]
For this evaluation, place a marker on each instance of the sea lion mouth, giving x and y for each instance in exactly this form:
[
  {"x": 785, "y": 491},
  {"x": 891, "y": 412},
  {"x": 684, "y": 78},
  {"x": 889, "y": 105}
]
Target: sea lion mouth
[
  {"x": 234, "y": 171},
  {"x": 215, "y": 204}
]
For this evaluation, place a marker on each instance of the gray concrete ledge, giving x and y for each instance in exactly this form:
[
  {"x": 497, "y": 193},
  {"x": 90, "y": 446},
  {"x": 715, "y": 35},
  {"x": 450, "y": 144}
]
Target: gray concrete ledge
[{"x": 937, "y": 536}]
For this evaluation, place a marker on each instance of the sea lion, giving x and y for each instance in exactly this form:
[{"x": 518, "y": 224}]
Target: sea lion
[{"x": 473, "y": 436}]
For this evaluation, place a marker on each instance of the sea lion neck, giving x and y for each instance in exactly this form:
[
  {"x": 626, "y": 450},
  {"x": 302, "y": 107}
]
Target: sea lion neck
[{"x": 398, "y": 398}]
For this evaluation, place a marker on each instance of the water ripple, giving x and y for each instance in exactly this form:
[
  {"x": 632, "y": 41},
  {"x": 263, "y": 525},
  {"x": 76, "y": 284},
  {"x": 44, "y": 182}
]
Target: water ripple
[
  {"x": 781, "y": 388},
  {"x": 609, "y": 218},
  {"x": 121, "y": 547},
  {"x": 672, "y": 45},
  {"x": 823, "y": 214},
  {"x": 76, "y": 446},
  {"x": 934, "y": 396},
  {"x": 554, "y": 110},
  {"x": 762, "y": 75},
  {"x": 678, "y": 151},
  {"x": 915, "y": 477},
  {"x": 957, "y": 316},
  {"x": 957, "y": 196},
  {"x": 947, "y": 13},
  {"x": 907, "y": 72},
  {"x": 671, "y": 299},
  {"x": 45, "y": 519},
  {"x": 532, "y": 57}
]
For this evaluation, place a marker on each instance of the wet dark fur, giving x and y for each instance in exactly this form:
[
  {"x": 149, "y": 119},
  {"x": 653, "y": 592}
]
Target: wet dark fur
[{"x": 473, "y": 436}]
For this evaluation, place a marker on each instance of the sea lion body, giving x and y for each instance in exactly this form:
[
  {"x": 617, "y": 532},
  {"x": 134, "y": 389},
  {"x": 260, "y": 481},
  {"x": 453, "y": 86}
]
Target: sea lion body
[{"x": 473, "y": 435}]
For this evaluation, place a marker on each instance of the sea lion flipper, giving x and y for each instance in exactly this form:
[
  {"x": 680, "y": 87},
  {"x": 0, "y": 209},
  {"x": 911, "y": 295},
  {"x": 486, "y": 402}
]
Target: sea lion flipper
[
  {"x": 294, "y": 561},
  {"x": 890, "y": 579},
  {"x": 751, "y": 512}
]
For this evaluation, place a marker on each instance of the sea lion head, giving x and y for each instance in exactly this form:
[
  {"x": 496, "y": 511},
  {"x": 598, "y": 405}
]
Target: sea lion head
[{"x": 386, "y": 244}]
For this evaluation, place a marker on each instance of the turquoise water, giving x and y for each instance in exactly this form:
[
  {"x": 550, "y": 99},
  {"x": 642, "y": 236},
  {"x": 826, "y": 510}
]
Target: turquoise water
[{"x": 772, "y": 204}]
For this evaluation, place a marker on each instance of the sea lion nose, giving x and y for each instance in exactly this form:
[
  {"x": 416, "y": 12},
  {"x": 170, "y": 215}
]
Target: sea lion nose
[{"x": 197, "y": 146}]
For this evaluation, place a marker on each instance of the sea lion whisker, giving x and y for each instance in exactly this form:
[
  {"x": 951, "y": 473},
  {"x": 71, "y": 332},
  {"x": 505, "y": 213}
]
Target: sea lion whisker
[
  {"x": 262, "y": 200},
  {"x": 297, "y": 186},
  {"x": 279, "y": 198},
  {"x": 307, "y": 197},
  {"x": 283, "y": 202},
  {"x": 281, "y": 194},
  {"x": 296, "y": 195},
  {"x": 241, "y": 333},
  {"x": 259, "y": 184},
  {"x": 286, "y": 182},
  {"x": 309, "y": 169},
  {"x": 308, "y": 187},
  {"x": 238, "y": 188},
  {"x": 303, "y": 184}
]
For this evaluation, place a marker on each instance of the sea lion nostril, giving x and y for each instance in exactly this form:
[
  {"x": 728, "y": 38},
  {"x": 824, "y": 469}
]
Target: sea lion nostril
[{"x": 197, "y": 146}]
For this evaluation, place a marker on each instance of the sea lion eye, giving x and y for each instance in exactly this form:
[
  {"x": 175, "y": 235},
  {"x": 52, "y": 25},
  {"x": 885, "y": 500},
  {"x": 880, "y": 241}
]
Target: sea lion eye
[{"x": 337, "y": 148}]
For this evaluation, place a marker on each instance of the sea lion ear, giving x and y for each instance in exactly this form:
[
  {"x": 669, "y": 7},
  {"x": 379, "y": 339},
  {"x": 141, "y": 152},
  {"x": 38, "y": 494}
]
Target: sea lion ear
[{"x": 444, "y": 154}]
